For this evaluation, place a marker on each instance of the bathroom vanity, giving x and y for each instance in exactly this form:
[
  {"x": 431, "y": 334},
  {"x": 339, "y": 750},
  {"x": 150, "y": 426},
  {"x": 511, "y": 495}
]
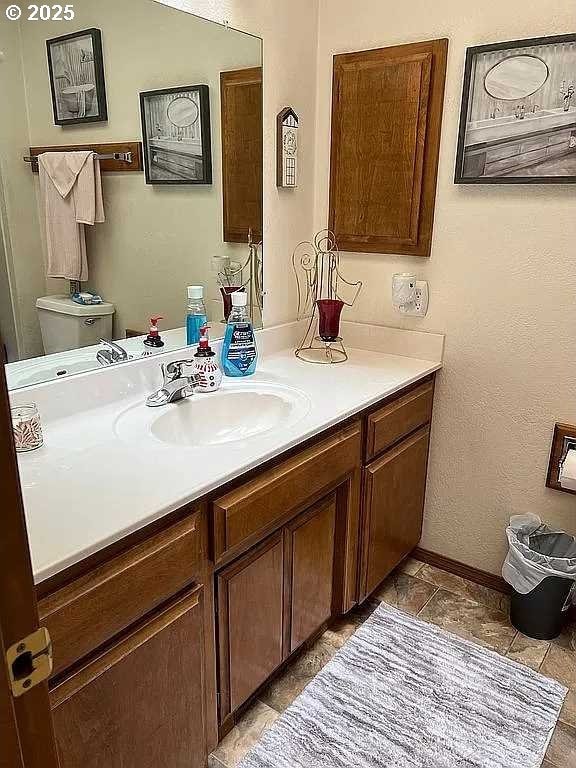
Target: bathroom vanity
[
  {"x": 504, "y": 144},
  {"x": 162, "y": 637}
]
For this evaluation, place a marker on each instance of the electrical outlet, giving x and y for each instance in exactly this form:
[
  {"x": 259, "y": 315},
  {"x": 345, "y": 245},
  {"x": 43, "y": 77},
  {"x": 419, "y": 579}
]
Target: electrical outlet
[
  {"x": 419, "y": 308},
  {"x": 416, "y": 307}
]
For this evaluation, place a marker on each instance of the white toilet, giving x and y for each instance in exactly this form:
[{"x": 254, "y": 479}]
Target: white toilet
[{"x": 68, "y": 325}]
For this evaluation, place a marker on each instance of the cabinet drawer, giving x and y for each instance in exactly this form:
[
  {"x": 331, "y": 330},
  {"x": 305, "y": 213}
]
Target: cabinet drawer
[
  {"x": 530, "y": 145},
  {"x": 93, "y": 609},
  {"x": 560, "y": 137},
  {"x": 398, "y": 419},
  {"x": 502, "y": 152},
  {"x": 519, "y": 161},
  {"x": 245, "y": 515}
]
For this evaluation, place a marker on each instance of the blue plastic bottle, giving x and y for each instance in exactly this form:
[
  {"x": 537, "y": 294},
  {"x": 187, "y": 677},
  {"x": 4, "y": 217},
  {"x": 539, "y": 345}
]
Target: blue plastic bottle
[
  {"x": 195, "y": 314},
  {"x": 239, "y": 353}
]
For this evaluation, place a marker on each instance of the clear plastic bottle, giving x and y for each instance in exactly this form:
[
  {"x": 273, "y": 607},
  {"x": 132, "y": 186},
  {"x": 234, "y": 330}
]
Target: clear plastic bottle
[
  {"x": 196, "y": 317},
  {"x": 239, "y": 352}
]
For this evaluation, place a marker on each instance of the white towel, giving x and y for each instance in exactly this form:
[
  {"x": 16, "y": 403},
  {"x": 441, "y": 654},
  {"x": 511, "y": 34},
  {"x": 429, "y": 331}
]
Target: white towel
[{"x": 72, "y": 192}]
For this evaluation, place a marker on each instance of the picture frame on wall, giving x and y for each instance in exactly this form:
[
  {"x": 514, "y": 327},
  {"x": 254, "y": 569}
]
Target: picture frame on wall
[
  {"x": 176, "y": 135},
  {"x": 76, "y": 72},
  {"x": 518, "y": 113}
]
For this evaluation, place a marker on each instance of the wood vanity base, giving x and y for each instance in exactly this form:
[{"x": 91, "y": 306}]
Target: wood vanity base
[{"x": 162, "y": 641}]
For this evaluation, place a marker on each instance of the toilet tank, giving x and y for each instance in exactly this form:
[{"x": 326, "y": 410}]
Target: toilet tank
[{"x": 67, "y": 325}]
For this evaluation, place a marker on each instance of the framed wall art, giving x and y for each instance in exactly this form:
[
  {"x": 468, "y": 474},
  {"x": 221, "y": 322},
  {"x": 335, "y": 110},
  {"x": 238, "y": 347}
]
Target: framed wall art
[
  {"x": 176, "y": 135},
  {"x": 518, "y": 115},
  {"x": 76, "y": 70}
]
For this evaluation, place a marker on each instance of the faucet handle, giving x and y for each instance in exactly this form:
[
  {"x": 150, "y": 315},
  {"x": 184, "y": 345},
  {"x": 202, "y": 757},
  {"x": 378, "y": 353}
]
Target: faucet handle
[
  {"x": 175, "y": 369},
  {"x": 113, "y": 354}
]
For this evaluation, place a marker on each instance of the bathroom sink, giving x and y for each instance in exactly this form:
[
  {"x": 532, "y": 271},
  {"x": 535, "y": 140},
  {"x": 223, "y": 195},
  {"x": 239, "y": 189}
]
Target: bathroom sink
[
  {"x": 508, "y": 126},
  {"x": 43, "y": 369},
  {"x": 232, "y": 414}
]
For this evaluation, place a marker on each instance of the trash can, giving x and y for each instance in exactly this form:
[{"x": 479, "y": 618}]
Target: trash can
[{"x": 541, "y": 569}]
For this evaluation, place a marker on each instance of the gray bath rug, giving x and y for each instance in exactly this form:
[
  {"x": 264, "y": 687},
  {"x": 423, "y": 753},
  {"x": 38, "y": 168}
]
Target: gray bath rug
[{"x": 405, "y": 694}]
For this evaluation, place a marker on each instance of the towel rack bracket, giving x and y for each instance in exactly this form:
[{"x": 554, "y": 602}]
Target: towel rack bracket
[{"x": 120, "y": 156}]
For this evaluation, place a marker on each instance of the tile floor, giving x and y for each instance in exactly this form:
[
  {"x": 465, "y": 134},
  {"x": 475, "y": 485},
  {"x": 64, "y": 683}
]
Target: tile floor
[{"x": 458, "y": 606}]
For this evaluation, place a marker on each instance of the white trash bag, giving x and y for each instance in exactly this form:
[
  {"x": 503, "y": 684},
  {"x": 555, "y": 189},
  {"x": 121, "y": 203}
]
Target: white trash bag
[{"x": 536, "y": 552}]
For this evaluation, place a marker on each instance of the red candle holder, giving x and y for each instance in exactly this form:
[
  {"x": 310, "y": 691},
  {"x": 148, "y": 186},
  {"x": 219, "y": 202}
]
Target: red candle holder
[
  {"x": 321, "y": 287},
  {"x": 329, "y": 311}
]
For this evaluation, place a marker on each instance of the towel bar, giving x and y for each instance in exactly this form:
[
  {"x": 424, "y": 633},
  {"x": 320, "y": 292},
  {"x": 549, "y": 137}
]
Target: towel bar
[
  {"x": 117, "y": 157},
  {"x": 125, "y": 157}
]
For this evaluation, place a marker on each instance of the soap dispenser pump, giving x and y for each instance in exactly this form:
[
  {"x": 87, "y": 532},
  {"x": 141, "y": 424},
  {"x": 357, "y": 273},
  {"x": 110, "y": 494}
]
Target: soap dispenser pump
[
  {"x": 153, "y": 341},
  {"x": 206, "y": 368}
]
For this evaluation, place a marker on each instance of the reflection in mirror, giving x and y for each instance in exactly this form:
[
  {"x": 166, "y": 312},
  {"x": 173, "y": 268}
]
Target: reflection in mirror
[
  {"x": 72, "y": 225},
  {"x": 516, "y": 77}
]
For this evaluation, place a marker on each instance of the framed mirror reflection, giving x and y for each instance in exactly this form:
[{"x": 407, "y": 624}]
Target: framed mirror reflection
[
  {"x": 76, "y": 265},
  {"x": 176, "y": 135}
]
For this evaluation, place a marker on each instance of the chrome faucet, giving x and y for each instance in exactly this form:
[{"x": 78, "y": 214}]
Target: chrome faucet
[
  {"x": 114, "y": 354},
  {"x": 535, "y": 108},
  {"x": 493, "y": 113},
  {"x": 177, "y": 384}
]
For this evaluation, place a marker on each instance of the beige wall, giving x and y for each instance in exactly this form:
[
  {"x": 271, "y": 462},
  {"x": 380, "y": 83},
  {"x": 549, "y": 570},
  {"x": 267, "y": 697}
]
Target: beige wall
[
  {"x": 156, "y": 240},
  {"x": 18, "y": 214},
  {"x": 503, "y": 289}
]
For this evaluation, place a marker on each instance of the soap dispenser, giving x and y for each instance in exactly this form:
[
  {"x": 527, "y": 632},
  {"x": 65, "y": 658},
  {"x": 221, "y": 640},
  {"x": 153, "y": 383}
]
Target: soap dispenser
[
  {"x": 153, "y": 342},
  {"x": 206, "y": 368}
]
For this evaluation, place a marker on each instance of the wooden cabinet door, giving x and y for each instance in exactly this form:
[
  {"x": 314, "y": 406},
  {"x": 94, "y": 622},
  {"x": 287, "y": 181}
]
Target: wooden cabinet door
[
  {"x": 394, "y": 489},
  {"x": 241, "y": 111},
  {"x": 26, "y": 729},
  {"x": 140, "y": 704},
  {"x": 386, "y": 120},
  {"x": 310, "y": 542},
  {"x": 250, "y": 622}
]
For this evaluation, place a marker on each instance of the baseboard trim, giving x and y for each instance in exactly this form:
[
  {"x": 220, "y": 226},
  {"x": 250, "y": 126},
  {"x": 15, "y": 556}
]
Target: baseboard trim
[{"x": 476, "y": 575}]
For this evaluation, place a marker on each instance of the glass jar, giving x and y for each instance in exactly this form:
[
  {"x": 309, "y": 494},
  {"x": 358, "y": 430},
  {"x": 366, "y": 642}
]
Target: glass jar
[{"x": 26, "y": 427}]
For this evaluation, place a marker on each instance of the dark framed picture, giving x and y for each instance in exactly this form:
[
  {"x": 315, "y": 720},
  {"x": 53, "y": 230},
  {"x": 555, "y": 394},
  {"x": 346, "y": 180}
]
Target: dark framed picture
[
  {"x": 518, "y": 115},
  {"x": 76, "y": 69},
  {"x": 176, "y": 135}
]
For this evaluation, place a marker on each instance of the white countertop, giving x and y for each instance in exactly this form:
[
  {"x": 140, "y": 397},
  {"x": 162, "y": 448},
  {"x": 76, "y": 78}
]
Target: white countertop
[
  {"x": 507, "y": 127},
  {"x": 86, "y": 488}
]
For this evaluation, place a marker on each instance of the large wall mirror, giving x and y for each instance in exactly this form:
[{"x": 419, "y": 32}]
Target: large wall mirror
[{"x": 184, "y": 96}]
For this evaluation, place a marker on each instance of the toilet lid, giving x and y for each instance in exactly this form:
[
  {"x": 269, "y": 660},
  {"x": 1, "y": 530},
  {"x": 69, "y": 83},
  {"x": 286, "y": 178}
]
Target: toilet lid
[{"x": 65, "y": 306}]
